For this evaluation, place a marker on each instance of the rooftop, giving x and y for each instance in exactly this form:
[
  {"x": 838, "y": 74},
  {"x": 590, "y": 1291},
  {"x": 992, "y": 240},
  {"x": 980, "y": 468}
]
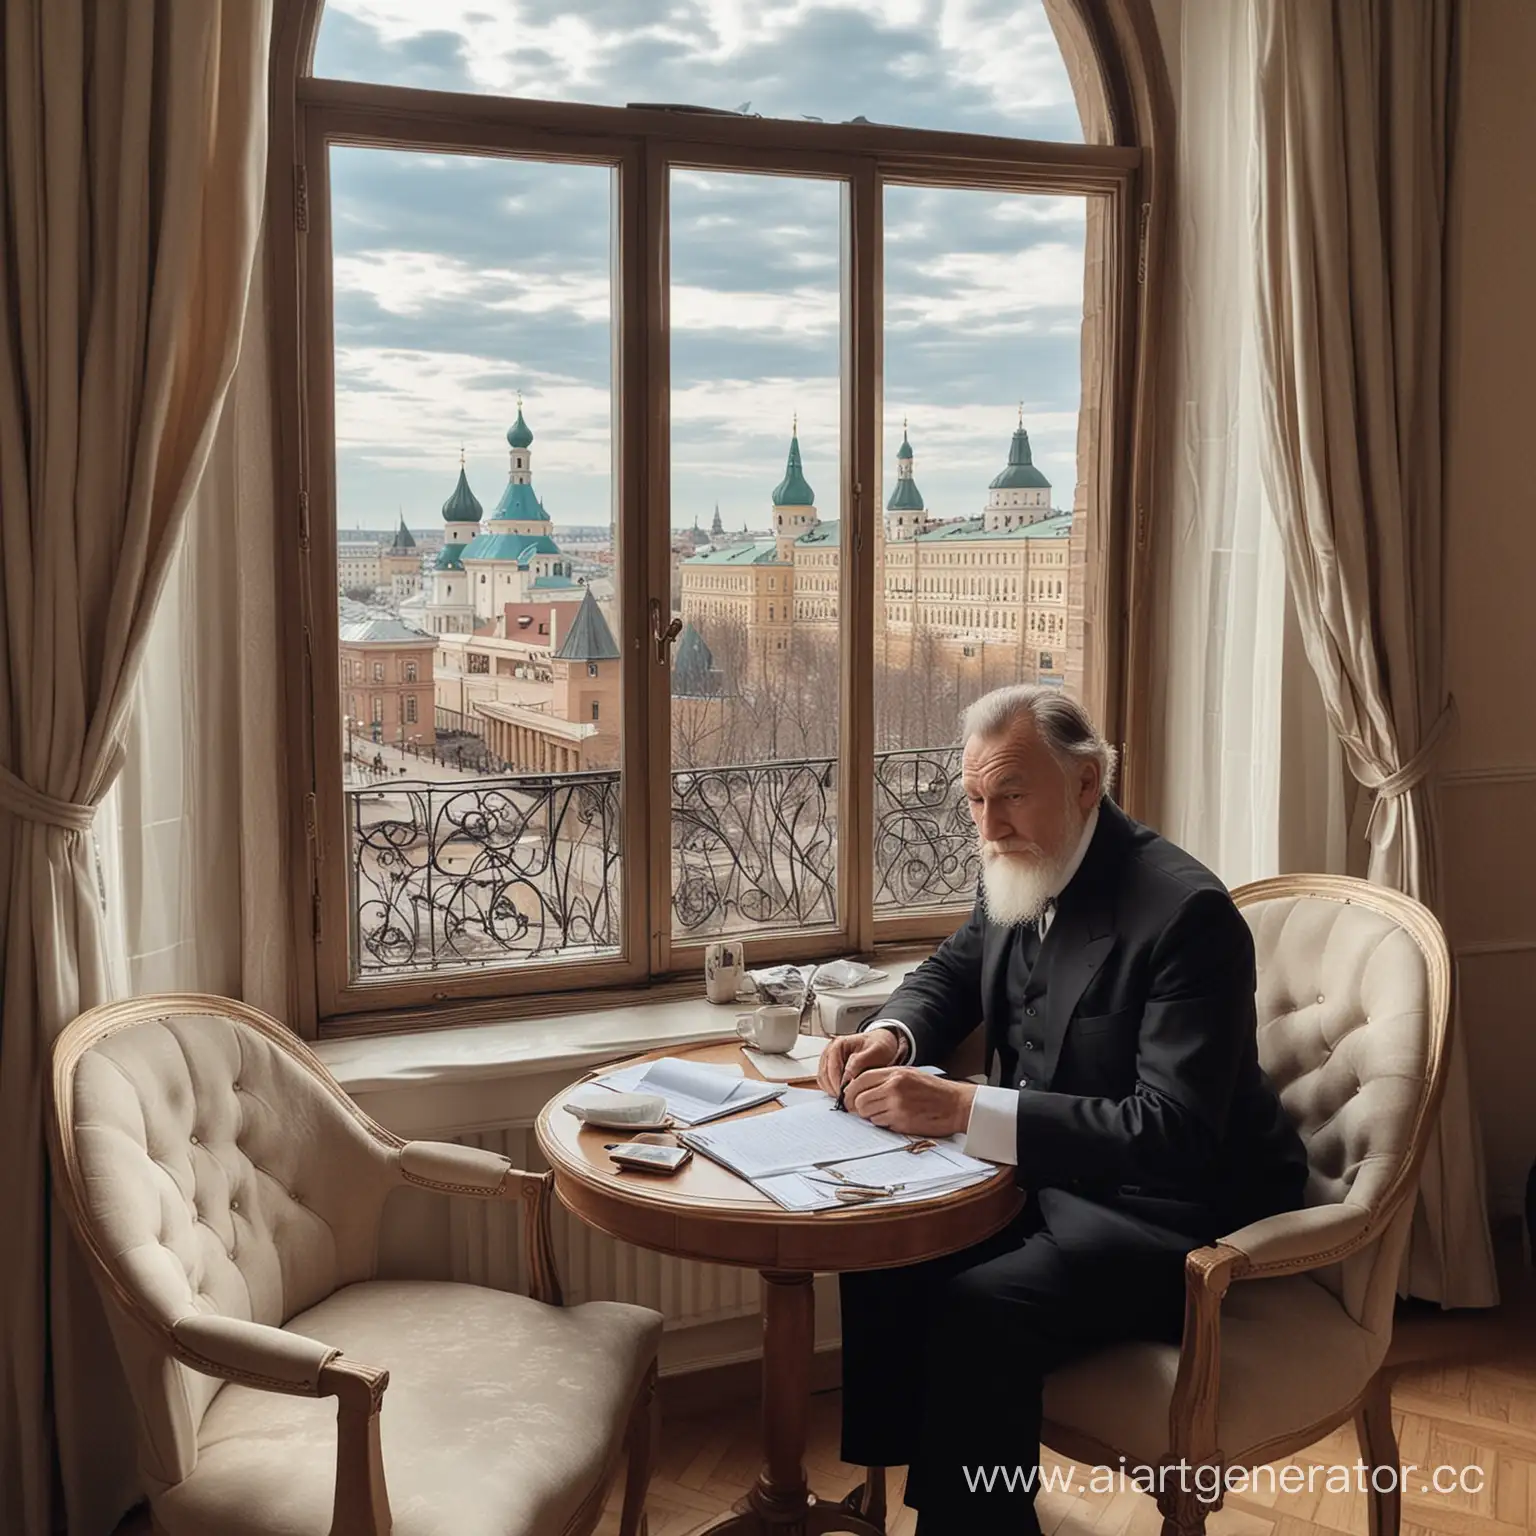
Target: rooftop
[
  {"x": 794, "y": 490},
  {"x": 383, "y": 631},
  {"x": 759, "y": 553},
  {"x": 520, "y": 547},
  {"x": 462, "y": 505},
  {"x": 1020, "y": 472},
  {"x": 519, "y": 504},
  {"x": 828, "y": 534},
  {"x": 694, "y": 675},
  {"x": 519, "y": 434},
  {"x": 974, "y": 529},
  {"x": 589, "y": 637}
]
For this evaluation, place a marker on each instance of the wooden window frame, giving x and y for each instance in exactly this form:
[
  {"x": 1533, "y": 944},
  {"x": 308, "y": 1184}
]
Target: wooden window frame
[{"x": 1111, "y": 50}]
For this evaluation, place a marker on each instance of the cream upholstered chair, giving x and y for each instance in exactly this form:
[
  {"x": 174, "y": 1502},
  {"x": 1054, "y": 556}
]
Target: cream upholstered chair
[
  {"x": 1287, "y": 1322},
  {"x": 228, "y": 1194}
]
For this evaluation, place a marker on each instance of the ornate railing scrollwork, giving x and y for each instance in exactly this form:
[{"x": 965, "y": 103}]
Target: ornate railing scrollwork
[
  {"x": 504, "y": 870},
  {"x": 925, "y": 843},
  {"x": 488, "y": 871},
  {"x": 754, "y": 847}
]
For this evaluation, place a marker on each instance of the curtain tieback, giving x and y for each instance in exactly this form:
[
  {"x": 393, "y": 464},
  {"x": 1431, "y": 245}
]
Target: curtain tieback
[
  {"x": 1390, "y": 786},
  {"x": 28, "y": 804}
]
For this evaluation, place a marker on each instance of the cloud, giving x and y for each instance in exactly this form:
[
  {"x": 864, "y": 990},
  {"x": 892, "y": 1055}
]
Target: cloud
[
  {"x": 805, "y": 311},
  {"x": 976, "y": 293},
  {"x": 460, "y": 279},
  {"x": 986, "y": 65},
  {"x": 421, "y": 282}
]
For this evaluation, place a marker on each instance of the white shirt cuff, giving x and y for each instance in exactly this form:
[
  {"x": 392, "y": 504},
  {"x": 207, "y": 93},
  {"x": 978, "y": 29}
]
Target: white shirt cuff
[
  {"x": 908, "y": 1045},
  {"x": 992, "y": 1133}
]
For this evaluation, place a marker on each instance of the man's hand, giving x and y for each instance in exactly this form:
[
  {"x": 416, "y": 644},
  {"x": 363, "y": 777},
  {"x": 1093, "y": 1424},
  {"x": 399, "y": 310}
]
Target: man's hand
[
  {"x": 848, "y": 1055},
  {"x": 914, "y": 1103}
]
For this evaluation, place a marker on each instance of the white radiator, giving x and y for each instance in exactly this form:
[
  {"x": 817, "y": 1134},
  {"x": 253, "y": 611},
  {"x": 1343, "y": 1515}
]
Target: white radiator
[{"x": 487, "y": 1249}]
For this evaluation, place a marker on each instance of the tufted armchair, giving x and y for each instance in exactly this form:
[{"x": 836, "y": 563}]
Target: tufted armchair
[
  {"x": 228, "y": 1194},
  {"x": 1287, "y": 1322}
]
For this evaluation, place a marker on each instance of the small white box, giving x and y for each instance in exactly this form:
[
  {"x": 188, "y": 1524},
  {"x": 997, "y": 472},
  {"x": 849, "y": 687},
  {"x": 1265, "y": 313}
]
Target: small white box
[{"x": 845, "y": 1013}]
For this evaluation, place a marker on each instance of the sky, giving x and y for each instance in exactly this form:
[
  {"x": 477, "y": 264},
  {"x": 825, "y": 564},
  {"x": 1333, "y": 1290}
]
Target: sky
[{"x": 461, "y": 281}]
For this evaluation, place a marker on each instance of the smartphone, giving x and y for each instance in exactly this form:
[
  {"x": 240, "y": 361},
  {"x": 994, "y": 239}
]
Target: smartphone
[{"x": 650, "y": 1158}]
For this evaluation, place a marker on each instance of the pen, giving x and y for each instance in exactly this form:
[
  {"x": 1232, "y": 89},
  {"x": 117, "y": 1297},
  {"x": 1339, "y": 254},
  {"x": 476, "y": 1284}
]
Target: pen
[{"x": 842, "y": 1181}]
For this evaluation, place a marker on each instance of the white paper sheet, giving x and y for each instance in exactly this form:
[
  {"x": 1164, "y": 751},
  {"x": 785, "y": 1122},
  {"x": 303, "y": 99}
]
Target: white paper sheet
[
  {"x": 691, "y": 1079},
  {"x": 792, "y": 1096},
  {"x": 800, "y": 1060},
  {"x": 695, "y": 1092},
  {"x": 791, "y": 1139}
]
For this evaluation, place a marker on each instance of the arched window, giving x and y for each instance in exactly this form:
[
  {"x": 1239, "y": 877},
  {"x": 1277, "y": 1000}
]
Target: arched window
[{"x": 1016, "y": 196}]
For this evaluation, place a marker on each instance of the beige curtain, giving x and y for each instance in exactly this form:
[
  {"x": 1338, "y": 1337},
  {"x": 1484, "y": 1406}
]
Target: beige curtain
[
  {"x": 1352, "y": 135},
  {"x": 133, "y": 152}
]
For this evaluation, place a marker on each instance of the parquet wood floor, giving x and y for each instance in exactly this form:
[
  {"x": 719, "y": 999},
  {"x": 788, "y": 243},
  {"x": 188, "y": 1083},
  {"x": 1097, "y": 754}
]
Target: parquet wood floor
[
  {"x": 1466, "y": 1397},
  {"x": 1482, "y": 1416}
]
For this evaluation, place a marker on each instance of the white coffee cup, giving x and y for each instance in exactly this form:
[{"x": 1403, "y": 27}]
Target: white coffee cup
[
  {"x": 724, "y": 970},
  {"x": 773, "y": 1028}
]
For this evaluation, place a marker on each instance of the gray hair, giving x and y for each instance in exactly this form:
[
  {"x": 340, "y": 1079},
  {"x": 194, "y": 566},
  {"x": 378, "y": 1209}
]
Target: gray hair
[{"x": 1066, "y": 728}]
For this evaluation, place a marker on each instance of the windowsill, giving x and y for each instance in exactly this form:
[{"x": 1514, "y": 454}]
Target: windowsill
[{"x": 464, "y": 1078}]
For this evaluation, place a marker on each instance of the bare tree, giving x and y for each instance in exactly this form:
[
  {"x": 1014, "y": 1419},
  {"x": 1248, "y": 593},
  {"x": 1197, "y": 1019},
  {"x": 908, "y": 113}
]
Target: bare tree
[{"x": 785, "y": 705}]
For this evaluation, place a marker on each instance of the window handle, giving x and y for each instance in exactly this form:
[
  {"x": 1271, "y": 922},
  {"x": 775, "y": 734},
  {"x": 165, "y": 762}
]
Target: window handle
[{"x": 664, "y": 636}]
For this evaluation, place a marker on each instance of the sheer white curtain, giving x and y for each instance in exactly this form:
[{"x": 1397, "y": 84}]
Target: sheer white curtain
[
  {"x": 194, "y": 835},
  {"x": 1251, "y": 779}
]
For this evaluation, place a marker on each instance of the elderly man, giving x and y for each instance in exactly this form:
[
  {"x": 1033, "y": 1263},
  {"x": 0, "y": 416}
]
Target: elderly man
[{"x": 1114, "y": 980}]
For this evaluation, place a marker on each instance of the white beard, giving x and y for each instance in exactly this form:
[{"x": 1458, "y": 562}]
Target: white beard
[
  {"x": 1015, "y": 886},
  {"x": 1015, "y": 889}
]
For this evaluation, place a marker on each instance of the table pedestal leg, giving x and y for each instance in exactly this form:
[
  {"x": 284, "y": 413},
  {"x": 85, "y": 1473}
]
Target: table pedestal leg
[{"x": 781, "y": 1504}]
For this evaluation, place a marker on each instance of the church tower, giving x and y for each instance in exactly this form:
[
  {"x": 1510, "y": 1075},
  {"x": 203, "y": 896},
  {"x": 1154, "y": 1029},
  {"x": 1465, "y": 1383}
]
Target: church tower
[
  {"x": 1020, "y": 495},
  {"x": 519, "y": 510},
  {"x": 907, "y": 516},
  {"x": 515, "y": 558},
  {"x": 449, "y": 610},
  {"x": 794, "y": 502}
]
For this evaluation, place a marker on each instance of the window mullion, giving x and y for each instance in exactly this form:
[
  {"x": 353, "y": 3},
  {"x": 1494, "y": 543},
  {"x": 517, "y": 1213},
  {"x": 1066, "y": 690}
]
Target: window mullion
[
  {"x": 860, "y": 595},
  {"x": 653, "y": 529},
  {"x": 636, "y": 554}
]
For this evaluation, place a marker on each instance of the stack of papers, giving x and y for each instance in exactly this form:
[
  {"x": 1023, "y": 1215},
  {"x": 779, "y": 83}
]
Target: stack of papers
[
  {"x": 792, "y": 1139},
  {"x": 696, "y": 1092},
  {"x": 801, "y": 1156},
  {"x": 887, "y": 1178}
]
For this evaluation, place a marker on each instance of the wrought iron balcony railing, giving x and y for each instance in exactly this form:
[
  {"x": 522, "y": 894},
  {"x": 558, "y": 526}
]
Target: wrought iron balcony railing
[{"x": 526, "y": 866}]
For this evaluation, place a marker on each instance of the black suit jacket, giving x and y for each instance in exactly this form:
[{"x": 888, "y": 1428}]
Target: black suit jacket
[{"x": 1132, "y": 1041}]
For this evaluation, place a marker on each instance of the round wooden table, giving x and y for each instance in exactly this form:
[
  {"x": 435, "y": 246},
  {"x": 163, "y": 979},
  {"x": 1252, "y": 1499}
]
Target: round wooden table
[{"x": 705, "y": 1212}]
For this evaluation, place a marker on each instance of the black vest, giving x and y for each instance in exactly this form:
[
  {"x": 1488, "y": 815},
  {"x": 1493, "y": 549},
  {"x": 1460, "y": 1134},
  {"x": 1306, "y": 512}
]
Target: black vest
[{"x": 1022, "y": 1060}]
